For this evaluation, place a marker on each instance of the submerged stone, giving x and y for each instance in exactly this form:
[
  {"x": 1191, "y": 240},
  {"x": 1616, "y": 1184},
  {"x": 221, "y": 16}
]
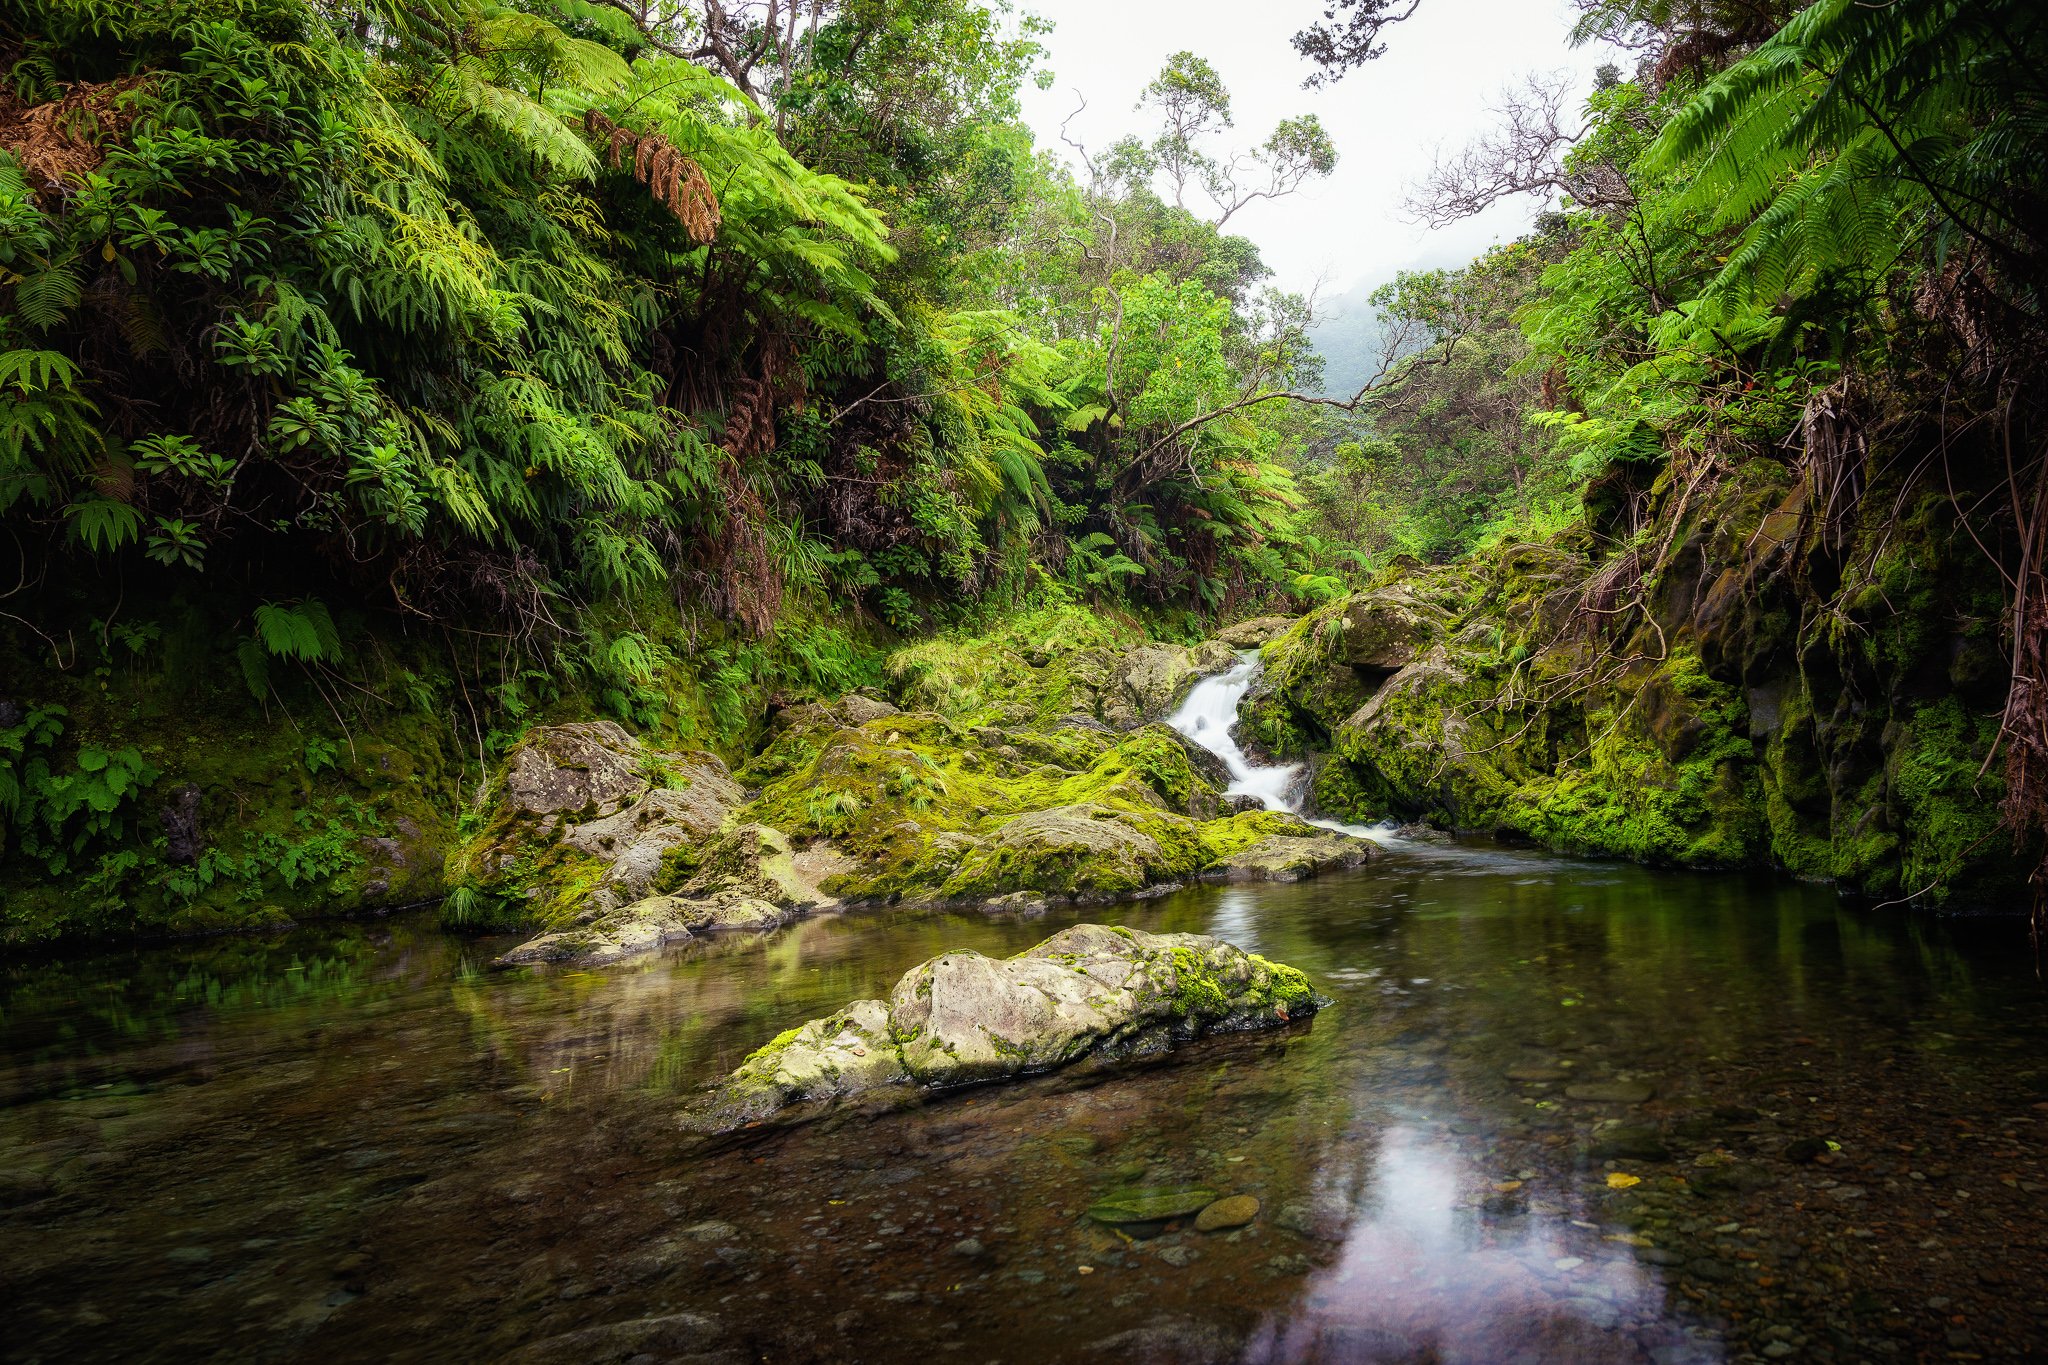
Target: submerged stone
[
  {"x": 1611, "y": 1092},
  {"x": 1088, "y": 991},
  {"x": 1233, "y": 1211},
  {"x": 1291, "y": 857},
  {"x": 1151, "y": 1205},
  {"x": 1629, "y": 1142}
]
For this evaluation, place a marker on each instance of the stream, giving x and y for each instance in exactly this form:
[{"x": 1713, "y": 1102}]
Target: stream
[{"x": 1558, "y": 1111}]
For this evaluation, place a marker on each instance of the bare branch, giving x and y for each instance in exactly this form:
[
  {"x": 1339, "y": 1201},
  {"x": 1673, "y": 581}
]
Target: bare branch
[{"x": 1525, "y": 154}]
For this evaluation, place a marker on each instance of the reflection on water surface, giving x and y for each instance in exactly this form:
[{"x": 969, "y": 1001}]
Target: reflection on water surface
[{"x": 1559, "y": 1111}]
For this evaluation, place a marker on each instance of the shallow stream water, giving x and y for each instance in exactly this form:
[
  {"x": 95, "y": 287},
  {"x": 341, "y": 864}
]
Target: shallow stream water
[{"x": 1558, "y": 1110}]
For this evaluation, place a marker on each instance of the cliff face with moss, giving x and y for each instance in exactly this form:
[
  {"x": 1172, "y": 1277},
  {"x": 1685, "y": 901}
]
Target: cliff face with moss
[{"x": 1760, "y": 684}]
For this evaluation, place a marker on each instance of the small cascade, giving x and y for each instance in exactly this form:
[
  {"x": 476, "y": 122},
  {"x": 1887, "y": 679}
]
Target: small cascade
[{"x": 1210, "y": 714}]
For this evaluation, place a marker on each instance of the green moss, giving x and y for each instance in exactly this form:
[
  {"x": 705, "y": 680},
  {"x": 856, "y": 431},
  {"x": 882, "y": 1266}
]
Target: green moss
[
  {"x": 1031, "y": 668},
  {"x": 1287, "y": 986},
  {"x": 1198, "y": 995},
  {"x": 1947, "y": 801}
]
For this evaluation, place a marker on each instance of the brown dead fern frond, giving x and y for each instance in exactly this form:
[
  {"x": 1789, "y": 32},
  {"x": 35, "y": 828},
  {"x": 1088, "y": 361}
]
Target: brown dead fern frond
[
  {"x": 675, "y": 182},
  {"x": 61, "y": 142}
]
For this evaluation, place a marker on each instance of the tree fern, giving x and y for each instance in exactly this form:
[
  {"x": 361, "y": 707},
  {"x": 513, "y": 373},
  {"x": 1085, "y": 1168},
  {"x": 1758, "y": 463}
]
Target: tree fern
[{"x": 1861, "y": 131}]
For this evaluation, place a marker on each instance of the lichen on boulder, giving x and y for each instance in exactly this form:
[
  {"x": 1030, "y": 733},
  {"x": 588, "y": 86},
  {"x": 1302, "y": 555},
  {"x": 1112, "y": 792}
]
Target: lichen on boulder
[
  {"x": 1091, "y": 991},
  {"x": 583, "y": 820},
  {"x": 1290, "y": 856},
  {"x": 1256, "y": 631},
  {"x": 749, "y": 880}
]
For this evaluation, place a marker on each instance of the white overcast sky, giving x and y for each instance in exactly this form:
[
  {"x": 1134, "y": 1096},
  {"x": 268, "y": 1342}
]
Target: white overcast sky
[{"x": 1441, "y": 70}]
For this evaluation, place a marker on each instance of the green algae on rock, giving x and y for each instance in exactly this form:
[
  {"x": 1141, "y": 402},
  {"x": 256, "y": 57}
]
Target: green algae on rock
[{"x": 1091, "y": 991}]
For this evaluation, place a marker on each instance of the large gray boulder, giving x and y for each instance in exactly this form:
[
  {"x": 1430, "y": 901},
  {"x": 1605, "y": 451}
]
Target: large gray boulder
[
  {"x": 593, "y": 767},
  {"x": 638, "y": 837},
  {"x": 1145, "y": 683},
  {"x": 1389, "y": 629},
  {"x": 750, "y": 880},
  {"x": 960, "y": 1018},
  {"x": 1291, "y": 857}
]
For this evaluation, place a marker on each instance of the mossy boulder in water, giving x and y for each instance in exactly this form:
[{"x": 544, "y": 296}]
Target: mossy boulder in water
[
  {"x": 1091, "y": 991},
  {"x": 750, "y": 879},
  {"x": 1291, "y": 855},
  {"x": 1083, "y": 850}
]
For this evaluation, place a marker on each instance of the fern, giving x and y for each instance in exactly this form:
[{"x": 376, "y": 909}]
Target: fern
[
  {"x": 103, "y": 525},
  {"x": 301, "y": 631},
  {"x": 1861, "y": 133}
]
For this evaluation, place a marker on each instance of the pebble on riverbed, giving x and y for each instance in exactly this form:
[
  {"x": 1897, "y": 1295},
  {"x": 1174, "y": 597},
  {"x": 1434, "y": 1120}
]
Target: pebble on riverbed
[{"x": 1232, "y": 1212}]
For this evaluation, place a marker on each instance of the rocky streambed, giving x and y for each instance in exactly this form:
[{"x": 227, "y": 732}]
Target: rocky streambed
[{"x": 1558, "y": 1110}]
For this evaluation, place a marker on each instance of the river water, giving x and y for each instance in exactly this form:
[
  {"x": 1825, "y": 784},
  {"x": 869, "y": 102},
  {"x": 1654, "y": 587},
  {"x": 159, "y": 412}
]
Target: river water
[{"x": 1559, "y": 1110}]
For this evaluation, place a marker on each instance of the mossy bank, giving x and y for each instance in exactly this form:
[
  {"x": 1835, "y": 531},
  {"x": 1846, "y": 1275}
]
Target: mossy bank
[{"x": 1749, "y": 684}]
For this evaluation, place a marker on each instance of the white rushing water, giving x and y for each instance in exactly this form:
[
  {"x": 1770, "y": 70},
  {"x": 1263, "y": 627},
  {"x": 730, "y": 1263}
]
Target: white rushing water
[{"x": 1208, "y": 716}]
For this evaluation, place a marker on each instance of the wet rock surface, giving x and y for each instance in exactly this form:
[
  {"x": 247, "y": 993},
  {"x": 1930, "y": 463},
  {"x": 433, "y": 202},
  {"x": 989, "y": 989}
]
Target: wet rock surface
[
  {"x": 1291, "y": 856},
  {"x": 1088, "y": 991},
  {"x": 748, "y": 880}
]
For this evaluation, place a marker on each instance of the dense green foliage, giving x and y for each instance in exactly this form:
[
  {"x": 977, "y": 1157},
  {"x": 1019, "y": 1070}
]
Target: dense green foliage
[
  {"x": 469, "y": 361},
  {"x": 1714, "y": 369},
  {"x": 417, "y": 370}
]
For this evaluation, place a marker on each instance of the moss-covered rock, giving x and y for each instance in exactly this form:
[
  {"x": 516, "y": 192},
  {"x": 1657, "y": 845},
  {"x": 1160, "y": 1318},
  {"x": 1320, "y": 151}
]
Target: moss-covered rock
[
  {"x": 1148, "y": 682},
  {"x": 1256, "y": 631},
  {"x": 1769, "y": 696},
  {"x": 747, "y": 878},
  {"x": 584, "y": 819},
  {"x": 962, "y": 1018},
  {"x": 1292, "y": 856}
]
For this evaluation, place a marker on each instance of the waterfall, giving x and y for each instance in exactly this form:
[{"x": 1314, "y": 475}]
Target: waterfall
[{"x": 1208, "y": 716}]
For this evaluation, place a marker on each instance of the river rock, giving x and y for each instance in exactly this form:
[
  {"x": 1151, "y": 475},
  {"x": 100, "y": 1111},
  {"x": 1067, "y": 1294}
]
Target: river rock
[
  {"x": 1233, "y": 1211},
  {"x": 592, "y": 765},
  {"x": 1080, "y": 850},
  {"x": 1611, "y": 1092},
  {"x": 1291, "y": 857},
  {"x": 677, "y": 1338},
  {"x": 750, "y": 880},
  {"x": 1630, "y": 1142},
  {"x": 1255, "y": 632},
  {"x": 1169, "y": 1340},
  {"x": 1149, "y": 1205},
  {"x": 1090, "y": 990},
  {"x": 638, "y": 837}
]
